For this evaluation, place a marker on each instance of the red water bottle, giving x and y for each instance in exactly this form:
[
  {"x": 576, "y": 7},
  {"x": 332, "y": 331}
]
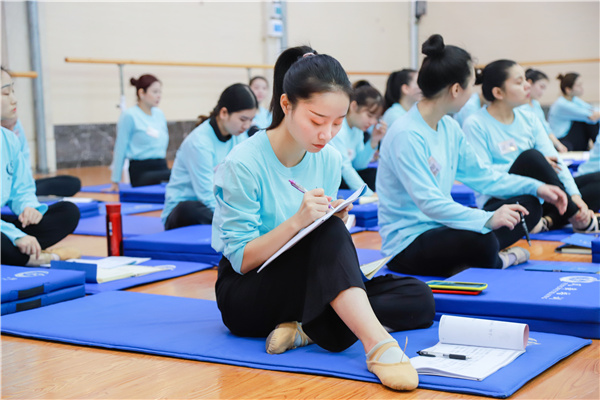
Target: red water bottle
[{"x": 114, "y": 229}]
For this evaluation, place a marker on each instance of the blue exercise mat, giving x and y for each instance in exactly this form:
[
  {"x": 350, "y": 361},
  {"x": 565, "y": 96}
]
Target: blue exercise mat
[
  {"x": 555, "y": 235},
  {"x": 557, "y": 302},
  {"x": 132, "y": 226},
  {"x": 135, "y": 208},
  {"x": 181, "y": 268},
  {"x": 86, "y": 210},
  {"x": 25, "y": 282},
  {"x": 190, "y": 243},
  {"x": 144, "y": 194},
  {"x": 192, "y": 329},
  {"x": 104, "y": 188},
  {"x": 464, "y": 195},
  {"x": 366, "y": 214},
  {"x": 42, "y": 300}
]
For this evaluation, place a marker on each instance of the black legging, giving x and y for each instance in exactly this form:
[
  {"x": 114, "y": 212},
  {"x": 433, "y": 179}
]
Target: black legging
[
  {"x": 589, "y": 186},
  {"x": 368, "y": 176},
  {"x": 148, "y": 172},
  {"x": 533, "y": 164},
  {"x": 59, "y": 220},
  {"x": 62, "y": 185},
  {"x": 189, "y": 213},
  {"x": 579, "y": 136},
  {"x": 302, "y": 282},
  {"x": 445, "y": 251}
]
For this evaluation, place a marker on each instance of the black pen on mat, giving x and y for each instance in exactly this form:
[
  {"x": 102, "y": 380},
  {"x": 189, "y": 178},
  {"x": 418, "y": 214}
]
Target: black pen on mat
[
  {"x": 451, "y": 356},
  {"x": 525, "y": 227}
]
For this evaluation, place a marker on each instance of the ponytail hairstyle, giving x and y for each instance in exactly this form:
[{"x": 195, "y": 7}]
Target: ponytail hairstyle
[
  {"x": 567, "y": 81},
  {"x": 393, "y": 88},
  {"x": 444, "y": 66},
  {"x": 234, "y": 98},
  {"x": 494, "y": 75},
  {"x": 369, "y": 97},
  {"x": 535, "y": 75},
  {"x": 143, "y": 82},
  {"x": 299, "y": 73}
]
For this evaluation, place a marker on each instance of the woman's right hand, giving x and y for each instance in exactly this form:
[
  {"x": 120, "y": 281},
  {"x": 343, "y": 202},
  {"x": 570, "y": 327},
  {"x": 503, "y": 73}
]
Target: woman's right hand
[
  {"x": 506, "y": 216},
  {"x": 314, "y": 205},
  {"x": 29, "y": 245},
  {"x": 114, "y": 187}
]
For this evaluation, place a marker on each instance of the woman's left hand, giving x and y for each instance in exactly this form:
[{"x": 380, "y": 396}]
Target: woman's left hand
[
  {"x": 343, "y": 214},
  {"x": 378, "y": 133},
  {"x": 584, "y": 212},
  {"x": 30, "y": 216},
  {"x": 553, "y": 161}
]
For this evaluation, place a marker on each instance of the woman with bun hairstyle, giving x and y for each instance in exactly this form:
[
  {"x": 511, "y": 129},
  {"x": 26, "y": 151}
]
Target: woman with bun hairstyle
[
  {"x": 366, "y": 107},
  {"x": 401, "y": 92},
  {"x": 189, "y": 198},
  {"x": 538, "y": 82},
  {"x": 313, "y": 292},
  {"x": 142, "y": 137},
  {"x": 573, "y": 121},
  {"x": 422, "y": 228},
  {"x": 511, "y": 139}
]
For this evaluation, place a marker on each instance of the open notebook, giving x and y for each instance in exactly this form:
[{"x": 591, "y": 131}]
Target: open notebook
[{"x": 471, "y": 348}]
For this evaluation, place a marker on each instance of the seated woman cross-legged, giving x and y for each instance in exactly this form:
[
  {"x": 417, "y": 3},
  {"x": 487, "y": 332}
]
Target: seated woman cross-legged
[
  {"x": 314, "y": 291},
  {"x": 424, "y": 152},
  {"x": 509, "y": 138},
  {"x": 189, "y": 197}
]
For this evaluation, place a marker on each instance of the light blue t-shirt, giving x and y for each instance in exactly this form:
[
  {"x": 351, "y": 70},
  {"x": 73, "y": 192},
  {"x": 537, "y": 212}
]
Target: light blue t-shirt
[
  {"x": 356, "y": 155},
  {"x": 563, "y": 112},
  {"x": 254, "y": 194},
  {"x": 18, "y": 186},
  {"x": 139, "y": 137},
  {"x": 417, "y": 168},
  {"x": 193, "y": 169},
  {"x": 536, "y": 108},
  {"x": 20, "y": 132},
  {"x": 262, "y": 119},
  {"x": 593, "y": 164},
  {"x": 498, "y": 145},
  {"x": 393, "y": 113},
  {"x": 471, "y": 106}
]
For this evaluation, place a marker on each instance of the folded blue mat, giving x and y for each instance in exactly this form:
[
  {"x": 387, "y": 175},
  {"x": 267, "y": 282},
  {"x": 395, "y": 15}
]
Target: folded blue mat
[
  {"x": 144, "y": 194},
  {"x": 132, "y": 226},
  {"x": 25, "y": 288},
  {"x": 192, "y": 329},
  {"x": 464, "y": 195},
  {"x": 135, "y": 208},
  {"x": 24, "y": 282},
  {"x": 190, "y": 243},
  {"x": 366, "y": 214},
  {"x": 181, "y": 268},
  {"x": 556, "y": 302},
  {"x": 103, "y": 188},
  {"x": 86, "y": 210}
]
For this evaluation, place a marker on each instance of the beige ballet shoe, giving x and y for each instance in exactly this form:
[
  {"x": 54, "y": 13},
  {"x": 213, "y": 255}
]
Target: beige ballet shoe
[
  {"x": 64, "y": 253},
  {"x": 283, "y": 338},
  {"x": 43, "y": 259},
  {"x": 397, "y": 376}
]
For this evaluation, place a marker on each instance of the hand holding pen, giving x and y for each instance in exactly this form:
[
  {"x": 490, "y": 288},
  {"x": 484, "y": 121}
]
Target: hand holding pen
[
  {"x": 524, "y": 225},
  {"x": 303, "y": 190},
  {"x": 314, "y": 205}
]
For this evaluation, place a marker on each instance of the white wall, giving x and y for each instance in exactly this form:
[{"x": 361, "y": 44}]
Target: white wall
[{"x": 524, "y": 32}]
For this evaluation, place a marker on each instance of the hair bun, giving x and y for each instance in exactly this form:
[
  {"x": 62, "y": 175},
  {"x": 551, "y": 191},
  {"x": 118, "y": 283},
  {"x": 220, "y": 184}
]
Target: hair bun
[
  {"x": 133, "y": 82},
  {"x": 560, "y": 77},
  {"x": 434, "y": 46},
  {"x": 478, "y": 76}
]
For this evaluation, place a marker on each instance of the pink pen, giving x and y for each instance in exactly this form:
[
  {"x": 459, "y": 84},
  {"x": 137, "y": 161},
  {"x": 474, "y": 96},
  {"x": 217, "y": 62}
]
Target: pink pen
[{"x": 301, "y": 188}]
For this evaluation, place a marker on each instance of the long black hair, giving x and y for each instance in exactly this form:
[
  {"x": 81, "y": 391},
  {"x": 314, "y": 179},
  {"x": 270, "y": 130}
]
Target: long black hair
[
  {"x": 299, "y": 73},
  {"x": 444, "y": 66},
  {"x": 393, "y": 87}
]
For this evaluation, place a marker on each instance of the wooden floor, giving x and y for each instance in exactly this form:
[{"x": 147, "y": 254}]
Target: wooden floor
[{"x": 40, "y": 369}]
